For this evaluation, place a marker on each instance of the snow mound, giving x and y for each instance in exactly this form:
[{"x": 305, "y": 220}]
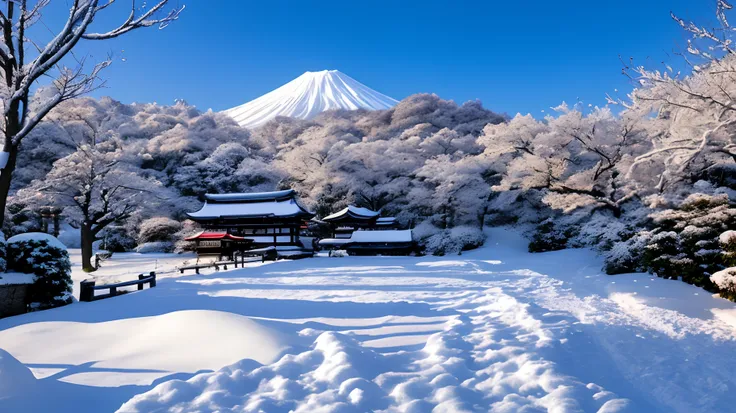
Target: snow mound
[
  {"x": 332, "y": 371},
  {"x": 309, "y": 95},
  {"x": 14, "y": 376},
  {"x": 181, "y": 341},
  {"x": 38, "y": 236}
]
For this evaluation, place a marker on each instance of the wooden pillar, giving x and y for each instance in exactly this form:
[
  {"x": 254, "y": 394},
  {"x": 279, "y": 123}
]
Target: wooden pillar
[
  {"x": 86, "y": 290},
  {"x": 56, "y": 224}
]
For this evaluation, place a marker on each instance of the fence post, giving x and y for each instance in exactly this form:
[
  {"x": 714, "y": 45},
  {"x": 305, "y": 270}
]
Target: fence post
[
  {"x": 140, "y": 284},
  {"x": 86, "y": 290},
  {"x": 153, "y": 279},
  {"x": 113, "y": 291}
]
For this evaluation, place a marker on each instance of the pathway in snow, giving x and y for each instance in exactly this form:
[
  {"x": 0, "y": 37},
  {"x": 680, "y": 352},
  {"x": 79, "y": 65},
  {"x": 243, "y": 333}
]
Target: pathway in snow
[{"x": 495, "y": 330}]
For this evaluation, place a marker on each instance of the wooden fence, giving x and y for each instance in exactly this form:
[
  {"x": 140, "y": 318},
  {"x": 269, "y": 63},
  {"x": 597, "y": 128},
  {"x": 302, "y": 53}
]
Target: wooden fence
[{"x": 88, "y": 287}]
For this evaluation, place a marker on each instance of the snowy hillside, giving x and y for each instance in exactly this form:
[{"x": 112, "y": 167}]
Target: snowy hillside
[{"x": 309, "y": 95}]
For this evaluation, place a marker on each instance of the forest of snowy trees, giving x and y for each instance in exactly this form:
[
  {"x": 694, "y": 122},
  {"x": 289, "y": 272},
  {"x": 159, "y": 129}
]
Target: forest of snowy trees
[{"x": 647, "y": 180}]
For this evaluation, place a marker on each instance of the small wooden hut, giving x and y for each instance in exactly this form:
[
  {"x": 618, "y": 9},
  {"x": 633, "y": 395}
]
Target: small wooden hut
[{"x": 220, "y": 244}]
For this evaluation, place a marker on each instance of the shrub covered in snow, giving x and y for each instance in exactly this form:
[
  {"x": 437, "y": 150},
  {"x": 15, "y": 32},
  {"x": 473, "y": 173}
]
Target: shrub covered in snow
[
  {"x": 436, "y": 241},
  {"x": 158, "y": 229},
  {"x": 727, "y": 241},
  {"x": 47, "y": 258},
  {"x": 338, "y": 253},
  {"x": 188, "y": 228},
  {"x": 689, "y": 242},
  {"x": 726, "y": 282},
  {"x": 549, "y": 237},
  {"x": 627, "y": 256},
  {"x": 160, "y": 246}
]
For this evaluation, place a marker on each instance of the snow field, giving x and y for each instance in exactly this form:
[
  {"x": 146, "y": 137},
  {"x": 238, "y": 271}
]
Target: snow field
[
  {"x": 493, "y": 330},
  {"x": 485, "y": 359}
]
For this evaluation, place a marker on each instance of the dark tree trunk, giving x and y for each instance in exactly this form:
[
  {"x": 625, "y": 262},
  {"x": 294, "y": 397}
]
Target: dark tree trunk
[
  {"x": 88, "y": 239},
  {"x": 56, "y": 224},
  {"x": 5, "y": 180},
  {"x": 12, "y": 127}
]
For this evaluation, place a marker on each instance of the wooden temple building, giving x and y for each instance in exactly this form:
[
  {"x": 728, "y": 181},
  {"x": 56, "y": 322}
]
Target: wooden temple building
[
  {"x": 361, "y": 231},
  {"x": 262, "y": 220},
  {"x": 353, "y": 218}
]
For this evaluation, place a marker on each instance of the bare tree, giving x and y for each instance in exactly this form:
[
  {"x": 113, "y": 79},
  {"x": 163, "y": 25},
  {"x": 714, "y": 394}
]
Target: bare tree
[
  {"x": 698, "y": 110},
  {"x": 24, "y": 62}
]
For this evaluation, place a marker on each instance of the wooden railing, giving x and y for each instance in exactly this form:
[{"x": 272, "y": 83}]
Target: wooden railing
[{"x": 88, "y": 287}]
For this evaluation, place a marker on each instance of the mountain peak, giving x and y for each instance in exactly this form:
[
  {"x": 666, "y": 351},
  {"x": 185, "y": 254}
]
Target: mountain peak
[
  {"x": 322, "y": 72},
  {"x": 309, "y": 95}
]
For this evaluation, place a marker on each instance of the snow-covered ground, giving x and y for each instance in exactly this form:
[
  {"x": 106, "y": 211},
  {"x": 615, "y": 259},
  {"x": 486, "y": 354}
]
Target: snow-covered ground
[{"x": 493, "y": 330}]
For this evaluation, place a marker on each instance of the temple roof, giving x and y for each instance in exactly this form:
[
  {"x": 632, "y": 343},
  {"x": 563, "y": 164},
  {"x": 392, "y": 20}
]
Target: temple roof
[
  {"x": 214, "y": 236},
  {"x": 252, "y": 196},
  {"x": 278, "y": 204},
  {"x": 352, "y": 212}
]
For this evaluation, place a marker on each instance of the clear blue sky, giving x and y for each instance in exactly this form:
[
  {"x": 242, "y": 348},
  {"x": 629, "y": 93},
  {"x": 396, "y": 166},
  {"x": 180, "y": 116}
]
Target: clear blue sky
[{"x": 515, "y": 56}]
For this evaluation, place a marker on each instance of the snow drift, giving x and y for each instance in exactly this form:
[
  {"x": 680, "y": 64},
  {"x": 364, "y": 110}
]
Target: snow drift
[
  {"x": 309, "y": 95},
  {"x": 180, "y": 341}
]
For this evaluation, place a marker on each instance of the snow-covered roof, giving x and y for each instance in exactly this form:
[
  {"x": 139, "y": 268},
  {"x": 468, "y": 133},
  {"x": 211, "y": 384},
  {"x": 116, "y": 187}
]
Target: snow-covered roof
[
  {"x": 208, "y": 235},
  {"x": 38, "y": 236},
  {"x": 352, "y": 212},
  {"x": 385, "y": 220},
  {"x": 252, "y": 196},
  {"x": 276, "y": 204},
  {"x": 232, "y": 210},
  {"x": 382, "y": 236},
  {"x": 334, "y": 241}
]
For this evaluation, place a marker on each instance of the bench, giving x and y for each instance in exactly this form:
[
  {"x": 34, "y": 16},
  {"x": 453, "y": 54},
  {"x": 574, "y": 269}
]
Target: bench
[{"x": 88, "y": 287}]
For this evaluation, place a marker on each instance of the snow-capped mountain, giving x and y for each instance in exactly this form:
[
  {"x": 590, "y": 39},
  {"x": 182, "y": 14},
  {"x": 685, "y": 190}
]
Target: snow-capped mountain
[{"x": 309, "y": 95}]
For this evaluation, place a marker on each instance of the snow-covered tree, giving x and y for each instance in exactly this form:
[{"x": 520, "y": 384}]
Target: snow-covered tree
[
  {"x": 578, "y": 160},
  {"x": 230, "y": 168},
  {"x": 26, "y": 62},
  {"x": 96, "y": 186},
  {"x": 693, "y": 130}
]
